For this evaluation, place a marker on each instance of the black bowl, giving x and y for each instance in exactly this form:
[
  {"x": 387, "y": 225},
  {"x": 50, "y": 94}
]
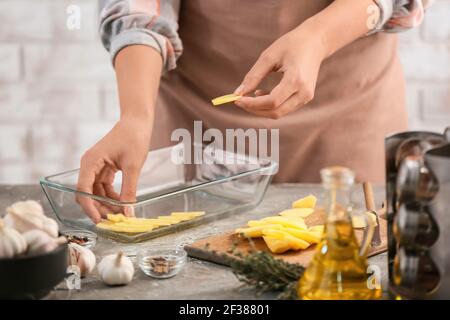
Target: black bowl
[{"x": 34, "y": 276}]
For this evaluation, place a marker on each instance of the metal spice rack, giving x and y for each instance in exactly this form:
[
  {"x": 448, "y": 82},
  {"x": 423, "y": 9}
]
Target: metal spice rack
[{"x": 418, "y": 214}]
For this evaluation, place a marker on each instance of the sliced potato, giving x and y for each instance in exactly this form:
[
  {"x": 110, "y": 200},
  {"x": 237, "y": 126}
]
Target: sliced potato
[
  {"x": 254, "y": 232},
  {"x": 124, "y": 228},
  {"x": 306, "y": 202},
  {"x": 297, "y": 212},
  {"x": 173, "y": 220},
  {"x": 105, "y": 223},
  {"x": 305, "y": 235},
  {"x": 317, "y": 228},
  {"x": 294, "y": 242},
  {"x": 190, "y": 214},
  {"x": 359, "y": 222},
  {"x": 142, "y": 221},
  {"x": 287, "y": 222},
  {"x": 277, "y": 245},
  {"x": 116, "y": 217},
  {"x": 121, "y": 223}
]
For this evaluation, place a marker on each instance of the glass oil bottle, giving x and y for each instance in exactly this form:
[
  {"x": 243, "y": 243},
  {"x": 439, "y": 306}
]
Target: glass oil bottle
[{"x": 339, "y": 267}]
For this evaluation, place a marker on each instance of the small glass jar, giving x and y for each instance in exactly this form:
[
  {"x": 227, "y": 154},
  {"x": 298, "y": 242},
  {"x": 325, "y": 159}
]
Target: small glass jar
[
  {"x": 161, "y": 262},
  {"x": 83, "y": 238}
]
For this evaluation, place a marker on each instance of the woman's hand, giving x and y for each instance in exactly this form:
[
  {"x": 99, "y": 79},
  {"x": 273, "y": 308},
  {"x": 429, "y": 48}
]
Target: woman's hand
[
  {"x": 297, "y": 55},
  {"x": 124, "y": 149}
]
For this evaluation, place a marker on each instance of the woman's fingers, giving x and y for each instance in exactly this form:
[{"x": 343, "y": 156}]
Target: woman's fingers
[
  {"x": 285, "y": 89},
  {"x": 103, "y": 187},
  {"x": 130, "y": 176},
  {"x": 102, "y": 208},
  {"x": 289, "y": 105},
  {"x": 106, "y": 178},
  {"x": 264, "y": 65},
  {"x": 86, "y": 180},
  {"x": 261, "y": 92}
]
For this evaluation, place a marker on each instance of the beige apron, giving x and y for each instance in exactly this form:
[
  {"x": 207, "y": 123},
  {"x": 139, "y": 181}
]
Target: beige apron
[{"x": 359, "y": 97}]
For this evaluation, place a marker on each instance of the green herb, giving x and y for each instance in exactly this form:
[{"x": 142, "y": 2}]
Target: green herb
[{"x": 262, "y": 271}]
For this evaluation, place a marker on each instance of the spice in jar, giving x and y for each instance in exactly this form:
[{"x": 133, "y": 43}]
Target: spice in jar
[
  {"x": 161, "y": 266},
  {"x": 77, "y": 239}
]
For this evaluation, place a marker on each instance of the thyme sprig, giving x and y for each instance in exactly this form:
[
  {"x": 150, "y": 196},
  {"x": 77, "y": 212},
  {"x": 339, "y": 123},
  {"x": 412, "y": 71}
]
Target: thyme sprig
[{"x": 261, "y": 270}]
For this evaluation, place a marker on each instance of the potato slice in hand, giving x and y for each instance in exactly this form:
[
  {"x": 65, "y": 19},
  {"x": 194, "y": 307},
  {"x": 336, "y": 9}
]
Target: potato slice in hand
[
  {"x": 306, "y": 202},
  {"x": 225, "y": 99},
  {"x": 296, "y": 212},
  {"x": 277, "y": 245}
]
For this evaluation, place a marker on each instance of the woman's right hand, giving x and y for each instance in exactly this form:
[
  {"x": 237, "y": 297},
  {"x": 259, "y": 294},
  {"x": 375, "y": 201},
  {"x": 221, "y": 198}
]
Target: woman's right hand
[{"x": 125, "y": 149}]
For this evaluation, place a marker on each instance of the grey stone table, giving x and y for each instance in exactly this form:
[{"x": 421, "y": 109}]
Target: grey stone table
[{"x": 199, "y": 279}]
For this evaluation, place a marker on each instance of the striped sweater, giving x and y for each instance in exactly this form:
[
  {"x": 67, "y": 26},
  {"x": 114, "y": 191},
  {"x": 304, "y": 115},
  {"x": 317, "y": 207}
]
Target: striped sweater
[{"x": 155, "y": 23}]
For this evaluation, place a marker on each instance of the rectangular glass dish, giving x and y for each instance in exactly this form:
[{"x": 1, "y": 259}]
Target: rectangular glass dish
[{"x": 221, "y": 183}]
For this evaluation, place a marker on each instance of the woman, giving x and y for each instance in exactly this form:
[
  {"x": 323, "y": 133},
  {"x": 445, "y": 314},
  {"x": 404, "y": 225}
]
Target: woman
[{"x": 339, "y": 89}]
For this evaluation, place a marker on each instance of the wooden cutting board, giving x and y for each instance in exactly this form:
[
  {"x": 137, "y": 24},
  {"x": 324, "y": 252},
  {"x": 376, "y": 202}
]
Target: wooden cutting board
[{"x": 217, "y": 248}]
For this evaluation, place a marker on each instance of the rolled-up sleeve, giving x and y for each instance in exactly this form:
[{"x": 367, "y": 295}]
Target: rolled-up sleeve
[
  {"x": 400, "y": 15},
  {"x": 153, "y": 23}
]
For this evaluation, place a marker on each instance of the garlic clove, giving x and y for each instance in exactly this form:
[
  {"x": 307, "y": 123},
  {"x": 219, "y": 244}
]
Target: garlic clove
[
  {"x": 12, "y": 242},
  {"x": 29, "y": 207},
  {"x": 40, "y": 242},
  {"x": 82, "y": 257},
  {"x": 29, "y": 215},
  {"x": 116, "y": 269},
  {"x": 23, "y": 222},
  {"x": 36, "y": 240},
  {"x": 51, "y": 227}
]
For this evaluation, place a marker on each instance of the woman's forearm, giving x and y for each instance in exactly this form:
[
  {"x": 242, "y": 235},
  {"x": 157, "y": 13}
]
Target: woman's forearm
[
  {"x": 342, "y": 22},
  {"x": 138, "y": 71}
]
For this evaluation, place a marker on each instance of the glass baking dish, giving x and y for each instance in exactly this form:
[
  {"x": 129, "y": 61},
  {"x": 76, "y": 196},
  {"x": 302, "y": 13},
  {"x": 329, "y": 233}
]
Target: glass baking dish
[{"x": 221, "y": 183}]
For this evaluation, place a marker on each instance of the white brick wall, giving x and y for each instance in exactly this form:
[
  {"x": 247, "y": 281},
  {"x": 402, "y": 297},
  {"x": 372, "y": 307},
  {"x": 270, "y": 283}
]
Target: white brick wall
[
  {"x": 425, "y": 53},
  {"x": 58, "y": 96}
]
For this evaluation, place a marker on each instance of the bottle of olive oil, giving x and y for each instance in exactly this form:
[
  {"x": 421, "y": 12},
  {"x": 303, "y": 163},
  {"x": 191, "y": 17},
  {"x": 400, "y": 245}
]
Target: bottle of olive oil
[{"x": 339, "y": 269}]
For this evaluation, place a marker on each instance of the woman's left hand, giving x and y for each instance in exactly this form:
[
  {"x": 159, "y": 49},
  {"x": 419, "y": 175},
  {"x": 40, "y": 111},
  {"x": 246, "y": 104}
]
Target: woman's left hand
[{"x": 298, "y": 55}]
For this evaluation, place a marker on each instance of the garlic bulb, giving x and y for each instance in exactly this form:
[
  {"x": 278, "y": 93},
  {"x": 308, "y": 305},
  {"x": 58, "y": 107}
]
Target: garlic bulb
[
  {"x": 39, "y": 242},
  {"x": 11, "y": 242},
  {"x": 28, "y": 215},
  {"x": 28, "y": 206},
  {"x": 116, "y": 269},
  {"x": 82, "y": 257}
]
